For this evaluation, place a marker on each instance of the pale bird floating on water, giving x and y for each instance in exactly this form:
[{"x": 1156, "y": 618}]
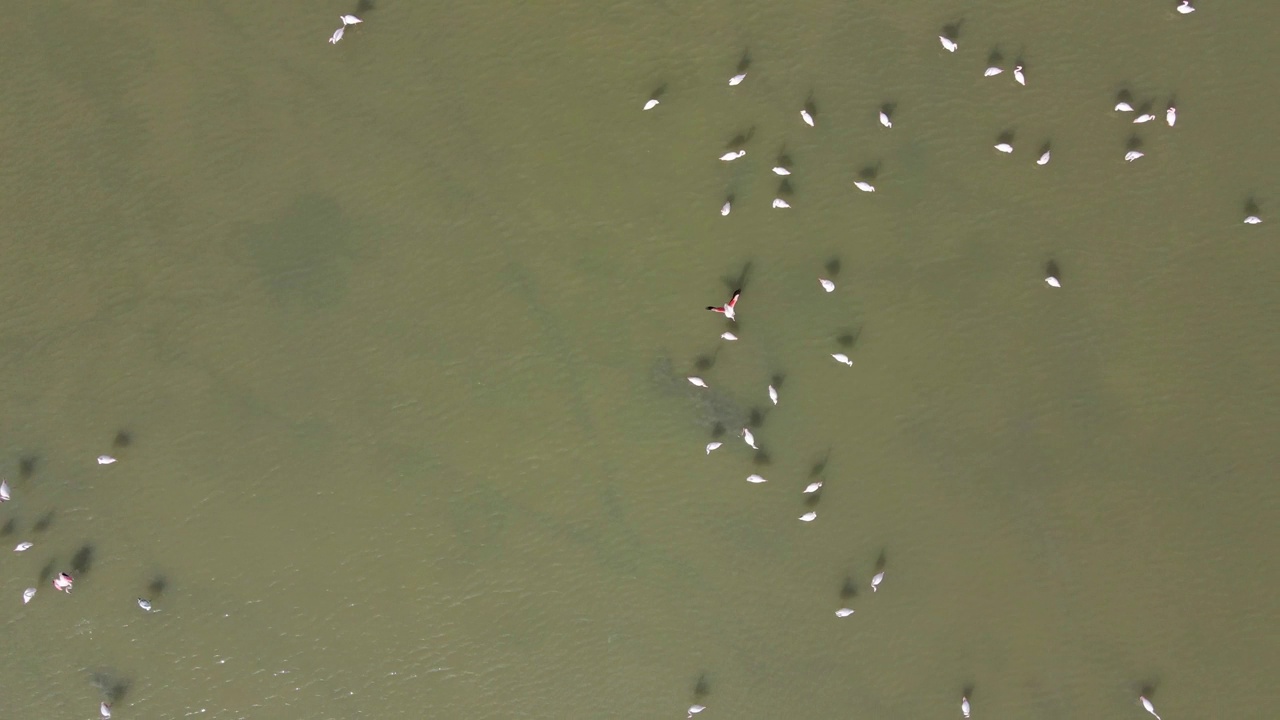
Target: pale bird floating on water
[
  {"x": 145, "y": 604},
  {"x": 63, "y": 582},
  {"x": 864, "y": 186},
  {"x": 755, "y": 479},
  {"x": 749, "y": 439},
  {"x": 695, "y": 709},
  {"x": 23, "y": 546},
  {"x": 1018, "y": 76},
  {"x": 876, "y": 580},
  {"x": 779, "y": 170},
  {"x": 813, "y": 487},
  {"x": 727, "y": 308},
  {"x": 1146, "y": 705},
  {"x": 350, "y": 20},
  {"x": 842, "y": 358},
  {"x": 337, "y": 35},
  {"x": 726, "y": 207},
  {"x": 992, "y": 71},
  {"x": 1171, "y": 115},
  {"x": 806, "y": 117},
  {"x": 651, "y": 103},
  {"x": 809, "y": 516},
  {"x": 781, "y": 204},
  {"x": 713, "y": 446},
  {"x": 827, "y": 284},
  {"x": 964, "y": 705},
  {"x": 737, "y": 79},
  {"x": 1144, "y": 118},
  {"x": 728, "y": 336},
  {"x": 27, "y": 595},
  {"x": 773, "y": 394},
  {"x": 1044, "y": 158},
  {"x": 104, "y": 709},
  {"x": 1123, "y": 106},
  {"x": 884, "y": 119},
  {"x": 696, "y": 381},
  {"x": 947, "y": 43},
  {"x": 844, "y": 612},
  {"x": 105, "y": 459},
  {"x": 1004, "y": 147},
  {"x": 1185, "y": 8},
  {"x": 4, "y": 491},
  {"x": 1133, "y": 155},
  {"x": 731, "y": 156},
  {"x": 1252, "y": 220},
  {"x": 1052, "y": 281}
]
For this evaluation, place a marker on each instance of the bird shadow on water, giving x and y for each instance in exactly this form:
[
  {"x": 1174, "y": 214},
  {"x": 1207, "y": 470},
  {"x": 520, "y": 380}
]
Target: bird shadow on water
[
  {"x": 952, "y": 30},
  {"x": 46, "y": 572},
  {"x": 762, "y": 458},
  {"x": 745, "y": 62},
  {"x": 1149, "y": 688},
  {"x": 10, "y": 527},
  {"x": 27, "y": 466},
  {"x": 717, "y": 431},
  {"x": 849, "y": 339},
  {"x": 658, "y": 92},
  {"x": 1134, "y": 143},
  {"x": 820, "y": 466},
  {"x": 123, "y": 439},
  {"x": 832, "y": 267},
  {"x": 881, "y": 560},
  {"x": 702, "y": 687},
  {"x": 364, "y": 7},
  {"x": 1005, "y": 137},
  {"x": 967, "y": 690},
  {"x": 740, "y": 139},
  {"x": 158, "y": 585},
  {"x": 82, "y": 561},
  {"x": 849, "y": 590},
  {"x": 777, "y": 379},
  {"x": 43, "y": 523},
  {"x": 706, "y": 361},
  {"x": 738, "y": 282},
  {"x": 1251, "y": 206},
  {"x": 870, "y": 172},
  {"x": 113, "y": 688},
  {"x": 994, "y": 57},
  {"x": 757, "y": 416}
]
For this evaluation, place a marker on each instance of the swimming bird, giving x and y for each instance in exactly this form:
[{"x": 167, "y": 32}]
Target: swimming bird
[
  {"x": 813, "y": 487},
  {"x": 781, "y": 204},
  {"x": 337, "y": 35},
  {"x": 1252, "y": 220},
  {"x": 731, "y": 156},
  {"x": 651, "y": 103},
  {"x": 947, "y": 43},
  {"x": 992, "y": 71},
  {"x": 755, "y": 479},
  {"x": 1052, "y": 281},
  {"x": 696, "y": 381},
  {"x": 1018, "y": 76},
  {"x": 884, "y": 119},
  {"x": 27, "y": 595},
  {"x": 105, "y": 459},
  {"x": 1004, "y": 147},
  {"x": 864, "y": 186},
  {"x": 1185, "y": 8},
  {"x": 1123, "y": 106},
  {"x": 780, "y": 170},
  {"x": 1171, "y": 115},
  {"x": 876, "y": 580},
  {"x": 145, "y": 604},
  {"x": 4, "y": 491},
  {"x": 350, "y": 20},
  {"x": 773, "y": 394},
  {"x": 749, "y": 439},
  {"x": 827, "y": 284},
  {"x": 727, "y": 308},
  {"x": 1146, "y": 705},
  {"x": 807, "y": 117},
  {"x": 844, "y": 612},
  {"x": 842, "y": 358},
  {"x": 104, "y": 709},
  {"x": 23, "y": 546},
  {"x": 1144, "y": 118},
  {"x": 737, "y": 79},
  {"x": 809, "y": 516},
  {"x": 964, "y": 705},
  {"x": 726, "y": 207},
  {"x": 712, "y": 446},
  {"x": 63, "y": 582},
  {"x": 728, "y": 336},
  {"x": 1133, "y": 155},
  {"x": 695, "y": 709},
  {"x": 1044, "y": 158}
]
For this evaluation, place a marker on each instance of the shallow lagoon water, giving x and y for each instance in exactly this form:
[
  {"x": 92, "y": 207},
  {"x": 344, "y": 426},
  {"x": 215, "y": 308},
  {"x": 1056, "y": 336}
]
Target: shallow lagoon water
[{"x": 398, "y": 329}]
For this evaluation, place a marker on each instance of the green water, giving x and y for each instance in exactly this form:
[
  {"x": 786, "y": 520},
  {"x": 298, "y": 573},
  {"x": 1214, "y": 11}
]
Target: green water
[{"x": 398, "y": 330}]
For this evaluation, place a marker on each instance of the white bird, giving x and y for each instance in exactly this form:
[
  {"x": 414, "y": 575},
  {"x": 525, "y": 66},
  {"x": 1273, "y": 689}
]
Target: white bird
[
  {"x": 1171, "y": 115},
  {"x": 1123, "y": 106},
  {"x": 713, "y": 446},
  {"x": 4, "y": 491},
  {"x": 726, "y": 207},
  {"x": 864, "y": 186},
  {"x": 884, "y": 119},
  {"x": 728, "y": 336},
  {"x": 1052, "y": 281},
  {"x": 1044, "y": 158},
  {"x": 755, "y": 479},
  {"x": 827, "y": 284},
  {"x": 145, "y": 604},
  {"x": 727, "y": 308},
  {"x": 1144, "y": 118},
  {"x": 806, "y": 117},
  {"x": 1133, "y": 155},
  {"x": 337, "y": 35},
  {"x": 842, "y": 358},
  {"x": 992, "y": 71},
  {"x": 695, "y": 709},
  {"x": 696, "y": 381},
  {"x": 63, "y": 582},
  {"x": 104, "y": 710},
  {"x": 779, "y": 170},
  {"x": 737, "y": 79},
  {"x": 773, "y": 394},
  {"x": 651, "y": 103},
  {"x": 27, "y": 595},
  {"x": 1146, "y": 705},
  {"x": 350, "y": 20},
  {"x": 23, "y": 547},
  {"x": 749, "y": 438},
  {"x": 105, "y": 459},
  {"x": 1252, "y": 220},
  {"x": 876, "y": 580},
  {"x": 1004, "y": 147},
  {"x": 813, "y": 487},
  {"x": 731, "y": 156},
  {"x": 1185, "y": 8},
  {"x": 809, "y": 516},
  {"x": 844, "y": 612},
  {"x": 1018, "y": 76},
  {"x": 947, "y": 43},
  {"x": 781, "y": 204},
  {"x": 964, "y": 706}
]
